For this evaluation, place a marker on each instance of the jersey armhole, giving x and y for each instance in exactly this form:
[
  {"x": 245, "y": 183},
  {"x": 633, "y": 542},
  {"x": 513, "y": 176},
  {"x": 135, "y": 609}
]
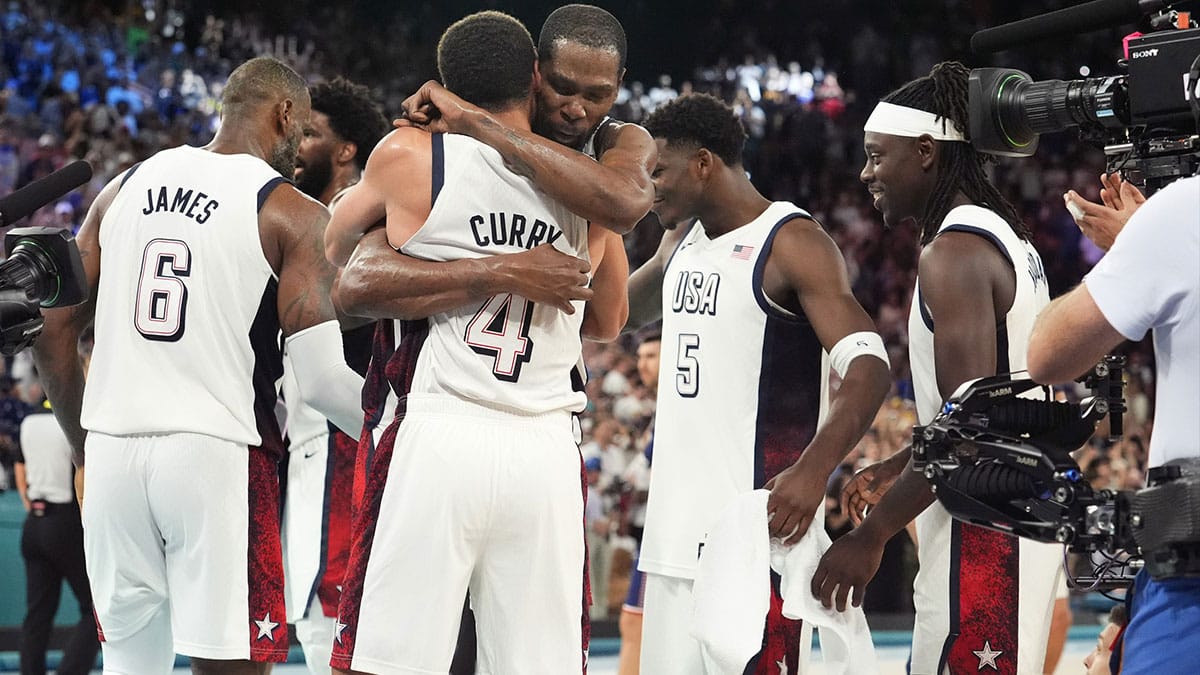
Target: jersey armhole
[
  {"x": 767, "y": 305},
  {"x": 981, "y": 232},
  {"x": 265, "y": 191},
  {"x": 439, "y": 167},
  {"x": 128, "y": 174}
]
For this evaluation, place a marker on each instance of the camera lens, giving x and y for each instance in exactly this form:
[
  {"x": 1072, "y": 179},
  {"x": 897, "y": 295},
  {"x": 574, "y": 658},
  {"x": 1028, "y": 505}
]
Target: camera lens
[{"x": 1008, "y": 110}]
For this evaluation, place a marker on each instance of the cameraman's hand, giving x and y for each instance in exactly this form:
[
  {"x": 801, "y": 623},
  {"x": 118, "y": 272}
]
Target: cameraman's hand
[{"x": 1103, "y": 222}]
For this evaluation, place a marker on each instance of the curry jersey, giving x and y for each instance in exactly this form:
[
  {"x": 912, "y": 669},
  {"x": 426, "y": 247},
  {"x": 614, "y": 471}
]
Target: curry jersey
[
  {"x": 187, "y": 330},
  {"x": 506, "y": 352},
  {"x": 740, "y": 393},
  {"x": 983, "y": 598}
]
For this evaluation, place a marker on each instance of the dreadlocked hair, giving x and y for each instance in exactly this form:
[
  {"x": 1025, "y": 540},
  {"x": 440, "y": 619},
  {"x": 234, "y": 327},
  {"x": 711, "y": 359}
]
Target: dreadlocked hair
[{"x": 960, "y": 168}]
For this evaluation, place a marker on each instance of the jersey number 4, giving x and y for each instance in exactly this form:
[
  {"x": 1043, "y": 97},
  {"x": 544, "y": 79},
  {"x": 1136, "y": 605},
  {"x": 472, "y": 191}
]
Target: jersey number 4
[
  {"x": 161, "y": 306},
  {"x": 500, "y": 329}
]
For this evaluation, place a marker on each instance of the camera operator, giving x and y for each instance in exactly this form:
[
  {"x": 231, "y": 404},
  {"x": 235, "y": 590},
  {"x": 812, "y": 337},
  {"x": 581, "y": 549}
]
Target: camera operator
[{"x": 1148, "y": 280}]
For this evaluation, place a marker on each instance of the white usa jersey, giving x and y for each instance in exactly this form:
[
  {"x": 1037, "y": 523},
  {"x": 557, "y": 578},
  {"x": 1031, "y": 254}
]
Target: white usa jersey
[
  {"x": 1012, "y": 335},
  {"x": 981, "y": 596},
  {"x": 506, "y": 352},
  {"x": 187, "y": 330},
  {"x": 741, "y": 390}
]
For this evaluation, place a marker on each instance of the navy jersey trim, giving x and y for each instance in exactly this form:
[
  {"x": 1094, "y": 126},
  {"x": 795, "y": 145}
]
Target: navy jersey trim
[
  {"x": 439, "y": 166},
  {"x": 1002, "y": 364},
  {"x": 952, "y": 600},
  {"x": 689, "y": 227},
  {"x": 128, "y": 174},
  {"x": 760, "y": 266},
  {"x": 926, "y": 317},
  {"x": 980, "y": 232},
  {"x": 594, "y": 138},
  {"x": 264, "y": 338},
  {"x": 266, "y": 190}
]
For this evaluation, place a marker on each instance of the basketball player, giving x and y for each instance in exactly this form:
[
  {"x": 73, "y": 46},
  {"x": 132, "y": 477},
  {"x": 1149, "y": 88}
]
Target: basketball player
[
  {"x": 486, "y": 475},
  {"x": 752, "y": 295},
  {"x": 208, "y": 253},
  {"x": 581, "y": 62},
  {"x": 344, "y": 128},
  {"x": 983, "y": 598}
]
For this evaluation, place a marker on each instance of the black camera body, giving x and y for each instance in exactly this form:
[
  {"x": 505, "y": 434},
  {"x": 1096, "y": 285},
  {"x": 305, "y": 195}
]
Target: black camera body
[
  {"x": 1147, "y": 117},
  {"x": 43, "y": 269},
  {"x": 1001, "y": 461}
]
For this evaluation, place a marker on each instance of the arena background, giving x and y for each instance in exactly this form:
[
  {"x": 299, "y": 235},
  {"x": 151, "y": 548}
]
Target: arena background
[{"x": 114, "y": 81}]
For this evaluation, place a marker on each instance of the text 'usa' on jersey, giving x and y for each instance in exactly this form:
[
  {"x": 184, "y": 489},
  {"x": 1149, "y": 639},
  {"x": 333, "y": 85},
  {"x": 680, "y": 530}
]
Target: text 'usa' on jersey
[
  {"x": 187, "y": 332},
  {"x": 741, "y": 388},
  {"x": 505, "y": 351}
]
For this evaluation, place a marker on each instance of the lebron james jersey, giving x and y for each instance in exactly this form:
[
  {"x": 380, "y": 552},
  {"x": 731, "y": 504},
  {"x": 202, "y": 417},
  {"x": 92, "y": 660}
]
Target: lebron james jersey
[
  {"x": 740, "y": 392},
  {"x": 506, "y": 352},
  {"x": 187, "y": 330},
  {"x": 983, "y": 598}
]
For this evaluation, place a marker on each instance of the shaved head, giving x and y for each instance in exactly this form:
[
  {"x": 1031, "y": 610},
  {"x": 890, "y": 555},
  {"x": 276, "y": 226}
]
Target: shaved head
[{"x": 261, "y": 81}]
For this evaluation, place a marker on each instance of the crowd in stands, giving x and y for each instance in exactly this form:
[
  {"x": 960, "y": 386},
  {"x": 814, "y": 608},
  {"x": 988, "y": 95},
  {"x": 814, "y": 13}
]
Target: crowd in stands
[{"x": 114, "y": 82}]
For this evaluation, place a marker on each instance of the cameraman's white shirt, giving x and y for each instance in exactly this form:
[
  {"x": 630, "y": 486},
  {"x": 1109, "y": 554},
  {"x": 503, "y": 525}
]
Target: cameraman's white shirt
[{"x": 1151, "y": 280}]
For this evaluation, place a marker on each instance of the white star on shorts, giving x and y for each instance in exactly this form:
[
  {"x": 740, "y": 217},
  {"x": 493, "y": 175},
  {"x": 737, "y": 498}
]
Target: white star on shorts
[
  {"x": 338, "y": 627},
  {"x": 987, "y": 657},
  {"x": 266, "y": 628}
]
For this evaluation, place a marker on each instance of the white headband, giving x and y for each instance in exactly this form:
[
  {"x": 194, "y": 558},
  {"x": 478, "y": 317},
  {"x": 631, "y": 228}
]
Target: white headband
[{"x": 898, "y": 120}]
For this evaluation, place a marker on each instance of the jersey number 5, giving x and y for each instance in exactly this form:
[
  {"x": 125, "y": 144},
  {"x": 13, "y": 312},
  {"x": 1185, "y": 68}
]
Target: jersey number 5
[
  {"x": 500, "y": 329},
  {"x": 687, "y": 366},
  {"x": 161, "y": 304}
]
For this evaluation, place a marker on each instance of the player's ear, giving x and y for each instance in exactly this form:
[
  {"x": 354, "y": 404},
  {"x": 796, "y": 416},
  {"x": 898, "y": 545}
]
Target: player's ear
[
  {"x": 927, "y": 150},
  {"x": 702, "y": 163},
  {"x": 346, "y": 152},
  {"x": 283, "y": 115}
]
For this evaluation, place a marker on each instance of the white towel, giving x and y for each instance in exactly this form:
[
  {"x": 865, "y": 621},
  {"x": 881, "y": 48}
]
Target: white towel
[{"x": 732, "y": 597}]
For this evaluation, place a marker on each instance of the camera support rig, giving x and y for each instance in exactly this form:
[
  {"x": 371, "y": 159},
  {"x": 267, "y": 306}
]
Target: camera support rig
[{"x": 1001, "y": 460}]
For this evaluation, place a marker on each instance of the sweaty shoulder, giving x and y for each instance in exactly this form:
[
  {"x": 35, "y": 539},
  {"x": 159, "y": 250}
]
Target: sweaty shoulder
[
  {"x": 958, "y": 259},
  {"x": 801, "y": 233},
  {"x": 400, "y": 146}
]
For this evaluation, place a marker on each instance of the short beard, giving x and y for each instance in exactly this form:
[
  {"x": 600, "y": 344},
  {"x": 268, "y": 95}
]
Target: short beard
[
  {"x": 315, "y": 177},
  {"x": 283, "y": 157}
]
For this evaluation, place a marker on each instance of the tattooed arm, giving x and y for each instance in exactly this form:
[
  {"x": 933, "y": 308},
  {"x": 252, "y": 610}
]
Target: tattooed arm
[{"x": 292, "y": 229}]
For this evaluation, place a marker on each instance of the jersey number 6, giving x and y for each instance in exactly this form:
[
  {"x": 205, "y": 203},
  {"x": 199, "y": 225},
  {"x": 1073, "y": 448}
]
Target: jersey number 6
[{"x": 161, "y": 304}]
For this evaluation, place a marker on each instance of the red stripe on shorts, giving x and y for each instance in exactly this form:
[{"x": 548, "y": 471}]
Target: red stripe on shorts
[
  {"x": 988, "y": 599},
  {"x": 781, "y": 638},
  {"x": 264, "y": 558},
  {"x": 361, "y": 539}
]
